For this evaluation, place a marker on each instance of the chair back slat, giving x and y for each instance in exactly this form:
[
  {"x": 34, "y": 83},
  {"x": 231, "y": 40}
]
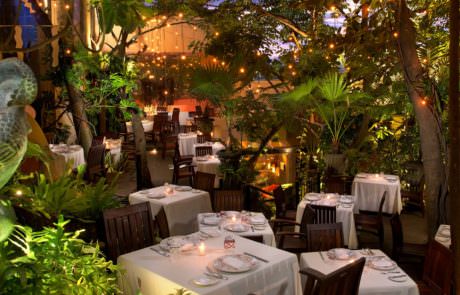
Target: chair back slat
[
  {"x": 323, "y": 237},
  {"x": 204, "y": 181},
  {"x": 344, "y": 281},
  {"x": 324, "y": 214},
  {"x": 439, "y": 268},
  {"x": 128, "y": 229},
  {"x": 228, "y": 200},
  {"x": 203, "y": 151},
  {"x": 308, "y": 217}
]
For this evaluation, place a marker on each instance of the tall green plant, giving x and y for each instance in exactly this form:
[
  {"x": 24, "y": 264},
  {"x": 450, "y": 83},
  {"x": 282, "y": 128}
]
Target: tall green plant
[{"x": 52, "y": 261}]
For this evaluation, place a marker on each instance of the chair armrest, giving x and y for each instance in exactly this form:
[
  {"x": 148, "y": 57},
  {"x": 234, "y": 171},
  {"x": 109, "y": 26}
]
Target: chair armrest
[
  {"x": 284, "y": 234},
  {"x": 284, "y": 221}
]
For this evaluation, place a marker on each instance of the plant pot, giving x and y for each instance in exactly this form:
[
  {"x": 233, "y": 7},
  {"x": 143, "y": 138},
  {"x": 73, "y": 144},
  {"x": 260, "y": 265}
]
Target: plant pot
[{"x": 336, "y": 161}]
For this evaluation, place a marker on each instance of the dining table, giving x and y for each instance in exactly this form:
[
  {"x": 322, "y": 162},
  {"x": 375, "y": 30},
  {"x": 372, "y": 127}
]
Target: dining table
[
  {"x": 180, "y": 203},
  {"x": 146, "y": 124},
  {"x": 246, "y": 224},
  {"x": 344, "y": 213},
  {"x": 73, "y": 154},
  {"x": 208, "y": 164},
  {"x": 369, "y": 189},
  {"x": 443, "y": 235},
  {"x": 189, "y": 141},
  {"x": 113, "y": 146},
  {"x": 381, "y": 275},
  {"x": 205, "y": 266}
]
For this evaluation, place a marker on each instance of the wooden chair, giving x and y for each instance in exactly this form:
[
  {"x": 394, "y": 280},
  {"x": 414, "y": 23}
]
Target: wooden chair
[
  {"x": 259, "y": 238},
  {"x": 324, "y": 214},
  {"x": 183, "y": 168},
  {"x": 438, "y": 271},
  {"x": 228, "y": 200},
  {"x": 128, "y": 229},
  {"x": 97, "y": 140},
  {"x": 162, "y": 224},
  {"x": 401, "y": 249},
  {"x": 372, "y": 223},
  {"x": 162, "y": 109},
  {"x": 187, "y": 128},
  {"x": 203, "y": 138},
  {"x": 201, "y": 151},
  {"x": 344, "y": 281},
  {"x": 95, "y": 164},
  {"x": 323, "y": 237},
  {"x": 168, "y": 142},
  {"x": 281, "y": 206},
  {"x": 414, "y": 183},
  {"x": 338, "y": 184},
  {"x": 127, "y": 136},
  {"x": 175, "y": 115},
  {"x": 295, "y": 242},
  {"x": 204, "y": 181},
  {"x": 198, "y": 111}
]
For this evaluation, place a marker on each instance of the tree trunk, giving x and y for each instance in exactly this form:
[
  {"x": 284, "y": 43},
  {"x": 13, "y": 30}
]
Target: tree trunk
[
  {"x": 454, "y": 135},
  {"x": 432, "y": 144},
  {"x": 142, "y": 169},
  {"x": 82, "y": 126}
]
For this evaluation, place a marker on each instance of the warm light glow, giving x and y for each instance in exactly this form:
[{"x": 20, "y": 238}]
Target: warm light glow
[
  {"x": 151, "y": 77},
  {"x": 214, "y": 60},
  {"x": 67, "y": 6},
  {"x": 154, "y": 152},
  {"x": 332, "y": 46},
  {"x": 289, "y": 66},
  {"x": 181, "y": 15},
  {"x": 273, "y": 169},
  {"x": 202, "y": 248},
  {"x": 223, "y": 63},
  {"x": 258, "y": 53},
  {"x": 233, "y": 218},
  {"x": 310, "y": 50},
  {"x": 165, "y": 92},
  {"x": 18, "y": 193},
  {"x": 242, "y": 70},
  {"x": 424, "y": 60},
  {"x": 395, "y": 34},
  {"x": 293, "y": 73},
  {"x": 423, "y": 102},
  {"x": 168, "y": 25},
  {"x": 216, "y": 34},
  {"x": 68, "y": 51},
  {"x": 183, "y": 57},
  {"x": 332, "y": 7}
]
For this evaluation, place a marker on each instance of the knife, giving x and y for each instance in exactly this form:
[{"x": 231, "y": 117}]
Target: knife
[
  {"x": 256, "y": 257},
  {"x": 322, "y": 257}
]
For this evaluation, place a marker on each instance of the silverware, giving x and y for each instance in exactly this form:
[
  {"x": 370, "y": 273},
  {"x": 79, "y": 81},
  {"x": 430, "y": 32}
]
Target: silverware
[
  {"x": 388, "y": 272},
  {"x": 205, "y": 234},
  {"x": 322, "y": 257},
  {"x": 397, "y": 277},
  {"x": 161, "y": 252},
  {"x": 256, "y": 257},
  {"x": 371, "y": 252},
  {"x": 252, "y": 227}
]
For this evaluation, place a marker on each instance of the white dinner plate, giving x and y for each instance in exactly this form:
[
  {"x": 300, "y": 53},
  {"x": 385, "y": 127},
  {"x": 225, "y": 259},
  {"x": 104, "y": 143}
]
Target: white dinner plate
[
  {"x": 235, "y": 263},
  {"x": 382, "y": 263},
  {"x": 397, "y": 279},
  {"x": 237, "y": 227},
  {"x": 340, "y": 254},
  {"x": 205, "y": 281},
  {"x": 183, "y": 188},
  {"x": 312, "y": 197},
  {"x": 156, "y": 196},
  {"x": 174, "y": 242}
]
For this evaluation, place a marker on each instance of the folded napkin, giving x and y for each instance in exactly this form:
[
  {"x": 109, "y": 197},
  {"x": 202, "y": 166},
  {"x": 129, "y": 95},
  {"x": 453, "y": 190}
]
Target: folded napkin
[
  {"x": 257, "y": 220},
  {"x": 234, "y": 262}
]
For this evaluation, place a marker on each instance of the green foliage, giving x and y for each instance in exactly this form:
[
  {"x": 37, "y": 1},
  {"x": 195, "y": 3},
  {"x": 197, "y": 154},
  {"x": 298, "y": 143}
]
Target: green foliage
[
  {"x": 52, "y": 261},
  {"x": 181, "y": 291},
  {"x": 68, "y": 195},
  {"x": 6, "y": 219}
]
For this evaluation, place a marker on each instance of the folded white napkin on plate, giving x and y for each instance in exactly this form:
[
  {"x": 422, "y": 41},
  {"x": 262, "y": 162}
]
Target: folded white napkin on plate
[{"x": 234, "y": 262}]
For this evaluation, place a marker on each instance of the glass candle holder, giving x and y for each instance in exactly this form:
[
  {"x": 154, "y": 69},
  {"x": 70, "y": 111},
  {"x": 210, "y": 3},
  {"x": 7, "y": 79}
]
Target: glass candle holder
[{"x": 229, "y": 242}]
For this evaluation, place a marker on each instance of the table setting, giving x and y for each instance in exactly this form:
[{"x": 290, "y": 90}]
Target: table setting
[
  {"x": 240, "y": 223},
  {"x": 369, "y": 189},
  {"x": 114, "y": 147},
  {"x": 381, "y": 275},
  {"x": 181, "y": 205},
  {"x": 146, "y": 124},
  {"x": 210, "y": 265},
  {"x": 186, "y": 142},
  {"x": 208, "y": 164},
  {"x": 71, "y": 153},
  {"x": 345, "y": 207}
]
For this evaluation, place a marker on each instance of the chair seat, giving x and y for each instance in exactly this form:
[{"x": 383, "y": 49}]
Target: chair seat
[{"x": 294, "y": 245}]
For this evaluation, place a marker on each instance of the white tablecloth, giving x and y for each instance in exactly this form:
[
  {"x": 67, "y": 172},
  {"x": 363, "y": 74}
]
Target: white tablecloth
[
  {"x": 181, "y": 208},
  {"x": 186, "y": 142},
  {"x": 344, "y": 215},
  {"x": 70, "y": 153},
  {"x": 209, "y": 166},
  {"x": 369, "y": 188},
  {"x": 441, "y": 236},
  {"x": 267, "y": 232},
  {"x": 216, "y": 146},
  {"x": 146, "y": 124},
  {"x": 373, "y": 282},
  {"x": 153, "y": 274}
]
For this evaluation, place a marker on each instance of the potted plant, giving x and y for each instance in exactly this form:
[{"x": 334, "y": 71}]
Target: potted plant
[{"x": 332, "y": 100}]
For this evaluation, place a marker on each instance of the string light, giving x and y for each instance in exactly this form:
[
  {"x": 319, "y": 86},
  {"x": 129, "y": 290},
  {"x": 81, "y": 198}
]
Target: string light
[
  {"x": 332, "y": 7},
  {"x": 242, "y": 70},
  {"x": 68, "y": 51},
  {"x": 181, "y": 15},
  {"x": 214, "y": 60},
  {"x": 293, "y": 73},
  {"x": 165, "y": 92},
  {"x": 67, "y": 6},
  {"x": 331, "y": 45},
  {"x": 258, "y": 53},
  {"x": 18, "y": 193},
  {"x": 289, "y": 66},
  {"x": 395, "y": 34},
  {"x": 183, "y": 57},
  {"x": 216, "y": 34}
]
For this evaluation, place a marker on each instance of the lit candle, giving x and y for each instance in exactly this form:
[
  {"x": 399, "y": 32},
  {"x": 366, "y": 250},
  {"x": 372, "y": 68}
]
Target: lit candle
[
  {"x": 202, "y": 249},
  {"x": 212, "y": 134},
  {"x": 154, "y": 151},
  {"x": 273, "y": 169},
  {"x": 233, "y": 219}
]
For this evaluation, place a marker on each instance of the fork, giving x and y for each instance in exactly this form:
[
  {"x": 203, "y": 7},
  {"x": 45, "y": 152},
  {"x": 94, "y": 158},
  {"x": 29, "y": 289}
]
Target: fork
[{"x": 216, "y": 273}]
